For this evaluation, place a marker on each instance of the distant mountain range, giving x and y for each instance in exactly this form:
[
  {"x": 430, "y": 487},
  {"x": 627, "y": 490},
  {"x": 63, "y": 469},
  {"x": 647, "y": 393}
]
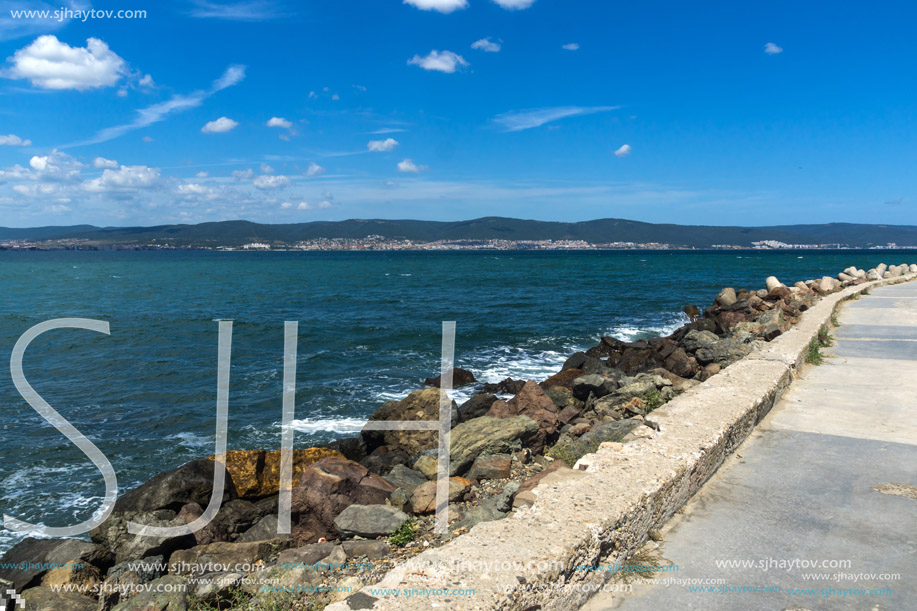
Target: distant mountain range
[{"x": 600, "y": 231}]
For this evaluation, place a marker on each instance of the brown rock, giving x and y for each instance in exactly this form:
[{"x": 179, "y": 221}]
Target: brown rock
[
  {"x": 531, "y": 401},
  {"x": 777, "y": 293},
  {"x": 423, "y": 500},
  {"x": 564, "y": 378},
  {"x": 460, "y": 377},
  {"x": 419, "y": 405},
  {"x": 74, "y": 575},
  {"x": 326, "y": 488},
  {"x": 256, "y": 473},
  {"x": 491, "y": 467},
  {"x": 681, "y": 363}
]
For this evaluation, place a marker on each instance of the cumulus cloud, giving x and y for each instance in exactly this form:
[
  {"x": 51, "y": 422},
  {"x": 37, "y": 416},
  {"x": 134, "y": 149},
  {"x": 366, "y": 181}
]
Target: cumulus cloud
[
  {"x": 102, "y": 163},
  {"x": 51, "y": 64},
  {"x": 266, "y": 169},
  {"x": 518, "y": 120},
  {"x": 55, "y": 166},
  {"x": 442, "y": 6},
  {"x": 382, "y": 146},
  {"x": 623, "y": 151},
  {"x": 571, "y": 46},
  {"x": 515, "y": 5},
  {"x": 219, "y": 126},
  {"x": 279, "y": 122},
  {"x": 408, "y": 166},
  {"x": 243, "y": 174},
  {"x": 486, "y": 44},
  {"x": 13, "y": 140},
  {"x": 772, "y": 49},
  {"x": 270, "y": 182},
  {"x": 177, "y": 103},
  {"x": 314, "y": 170},
  {"x": 146, "y": 81},
  {"x": 445, "y": 61},
  {"x": 202, "y": 174},
  {"x": 303, "y": 206},
  {"x": 125, "y": 178}
]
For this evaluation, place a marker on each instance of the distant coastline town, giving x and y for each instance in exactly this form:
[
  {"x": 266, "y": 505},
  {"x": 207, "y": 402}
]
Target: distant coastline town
[{"x": 381, "y": 243}]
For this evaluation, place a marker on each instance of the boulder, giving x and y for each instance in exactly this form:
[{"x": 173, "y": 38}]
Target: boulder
[
  {"x": 369, "y": 521},
  {"x": 532, "y": 402},
  {"x": 771, "y": 283},
  {"x": 725, "y": 352},
  {"x": 263, "y": 530},
  {"x": 419, "y": 405},
  {"x": 488, "y": 435},
  {"x": 363, "y": 548},
  {"x": 169, "y": 593},
  {"x": 507, "y": 386},
  {"x": 212, "y": 588},
  {"x": 777, "y": 293},
  {"x": 681, "y": 363},
  {"x": 113, "y": 535},
  {"x": 47, "y": 599},
  {"x": 37, "y": 553},
  {"x": 427, "y": 465},
  {"x": 460, "y": 377},
  {"x": 402, "y": 477},
  {"x": 476, "y": 406},
  {"x": 424, "y": 498},
  {"x": 383, "y": 459},
  {"x": 826, "y": 285},
  {"x": 307, "y": 555},
  {"x": 493, "y": 508},
  {"x": 256, "y": 473},
  {"x": 595, "y": 385},
  {"x": 695, "y": 340},
  {"x": 565, "y": 378},
  {"x": 233, "y": 519},
  {"x": 189, "y": 483},
  {"x": 491, "y": 467},
  {"x": 329, "y": 486},
  {"x": 220, "y": 555},
  {"x": 726, "y": 297}
]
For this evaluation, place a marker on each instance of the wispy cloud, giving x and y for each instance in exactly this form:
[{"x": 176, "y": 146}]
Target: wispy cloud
[
  {"x": 487, "y": 45},
  {"x": 252, "y": 10},
  {"x": 519, "y": 120},
  {"x": 158, "y": 112},
  {"x": 772, "y": 49},
  {"x": 571, "y": 46}
]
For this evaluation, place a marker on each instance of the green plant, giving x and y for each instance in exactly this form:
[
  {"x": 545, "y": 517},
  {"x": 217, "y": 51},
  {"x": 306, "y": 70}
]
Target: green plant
[
  {"x": 813, "y": 353},
  {"x": 236, "y": 599},
  {"x": 404, "y": 535},
  {"x": 653, "y": 399},
  {"x": 571, "y": 451},
  {"x": 824, "y": 337}
]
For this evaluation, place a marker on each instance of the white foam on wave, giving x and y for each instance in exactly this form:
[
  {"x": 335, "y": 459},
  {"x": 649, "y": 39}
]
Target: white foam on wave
[
  {"x": 630, "y": 333},
  {"x": 329, "y": 425}
]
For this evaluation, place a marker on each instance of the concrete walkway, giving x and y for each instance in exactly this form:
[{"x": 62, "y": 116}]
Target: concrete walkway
[{"x": 816, "y": 482}]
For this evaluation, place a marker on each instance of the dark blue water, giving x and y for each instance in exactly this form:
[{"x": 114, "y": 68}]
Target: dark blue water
[{"x": 369, "y": 332}]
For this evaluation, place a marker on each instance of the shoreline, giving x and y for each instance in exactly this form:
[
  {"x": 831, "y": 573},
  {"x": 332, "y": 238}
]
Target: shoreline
[{"x": 612, "y": 383}]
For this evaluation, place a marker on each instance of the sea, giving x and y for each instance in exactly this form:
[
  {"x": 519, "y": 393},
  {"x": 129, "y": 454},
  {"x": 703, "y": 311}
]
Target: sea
[{"x": 369, "y": 332}]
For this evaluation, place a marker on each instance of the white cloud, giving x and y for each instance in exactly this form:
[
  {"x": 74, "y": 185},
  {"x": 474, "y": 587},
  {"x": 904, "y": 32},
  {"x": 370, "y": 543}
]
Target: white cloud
[
  {"x": 219, "y": 126},
  {"x": 266, "y": 169},
  {"x": 279, "y": 122},
  {"x": 244, "y": 10},
  {"x": 382, "y": 146},
  {"x": 126, "y": 178},
  {"x": 572, "y": 46},
  {"x": 270, "y": 182},
  {"x": 202, "y": 174},
  {"x": 51, "y": 64},
  {"x": 146, "y": 81},
  {"x": 177, "y": 103},
  {"x": 515, "y": 5},
  {"x": 314, "y": 170},
  {"x": 324, "y": 204},
  {"x": 303, "y": 206},
  {"x": 13, "y": 140},
  {"x": 408, "y": 166},
  {"x": 518, "y": 120},
  {"x": 286, "y": 205},
  {"x": 772, "y": 49},
  {"x": 624, "y": 151},
  {"x": 442, "y": 6},
  {"x": 102, "y": 163},
  {"x": 57, "y": 209},
  {"x": 243, "y": 174},
  {"x": 54, "y": 166},
  {"x": 388, "y": 130},
  {"x": 486, "y": 44},
  {"x": 445, "y": 61}
]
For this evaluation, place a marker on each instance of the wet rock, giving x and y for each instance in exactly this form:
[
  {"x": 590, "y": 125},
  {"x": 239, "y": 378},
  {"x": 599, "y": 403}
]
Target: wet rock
[
  {"x": 352, "y": 448},
  {"x": 189, "y": 483},
  {"x": 383, "y": 459},
  {"x": 476, "y": 406},
  {"x": 460, "y": 377}
]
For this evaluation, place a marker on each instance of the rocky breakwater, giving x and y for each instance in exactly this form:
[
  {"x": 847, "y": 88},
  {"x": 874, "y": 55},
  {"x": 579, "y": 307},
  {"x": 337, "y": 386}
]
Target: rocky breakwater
[{"x": 363, "y": 504}]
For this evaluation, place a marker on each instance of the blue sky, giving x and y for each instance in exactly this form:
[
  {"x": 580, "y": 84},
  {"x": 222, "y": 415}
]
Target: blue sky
[{"x": 711, "y": 113}]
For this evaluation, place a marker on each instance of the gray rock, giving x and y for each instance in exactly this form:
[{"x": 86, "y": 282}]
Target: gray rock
[
  {"x": 264, "y": 530},
  {"x": 49, "y": 551},
  {"x": 476, "y": 406},
  {"x": 403, "y": 477},
  {"x": 593, "y": 384},
  {"x": 369, "y": 520},
  {"x": 726, "y": 298},
  {"x": 695, "y": 340},
  {"x": 771, "y": 283},
  {"x": 373, "y": 550},
  {"x": 213, "y": 587},
  {"x": 487, "y": 435},
  {"x": 113, "y": 535},
  {"x": 152, "y": 600},
  {"x": 45, "y": 599}
]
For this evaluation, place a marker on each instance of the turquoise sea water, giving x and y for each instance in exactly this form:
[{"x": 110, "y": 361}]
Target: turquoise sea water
[{"x": 369, "y": 332}]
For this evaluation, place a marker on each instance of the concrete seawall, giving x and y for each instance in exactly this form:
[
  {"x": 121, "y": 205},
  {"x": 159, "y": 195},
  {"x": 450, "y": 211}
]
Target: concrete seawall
[{"x": 623, "y": 492}]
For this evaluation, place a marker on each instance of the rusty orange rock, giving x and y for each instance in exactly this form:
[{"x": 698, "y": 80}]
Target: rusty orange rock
[{"x": 256, "y": 473}]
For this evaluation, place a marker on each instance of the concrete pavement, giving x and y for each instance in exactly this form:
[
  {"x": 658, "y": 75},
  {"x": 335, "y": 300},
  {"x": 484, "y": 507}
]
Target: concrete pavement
[{"x": 829, "y": 477}]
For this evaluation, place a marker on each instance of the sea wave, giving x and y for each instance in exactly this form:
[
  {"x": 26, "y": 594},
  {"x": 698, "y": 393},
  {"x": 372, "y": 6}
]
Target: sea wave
[{"x": 329, "y": 425}]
